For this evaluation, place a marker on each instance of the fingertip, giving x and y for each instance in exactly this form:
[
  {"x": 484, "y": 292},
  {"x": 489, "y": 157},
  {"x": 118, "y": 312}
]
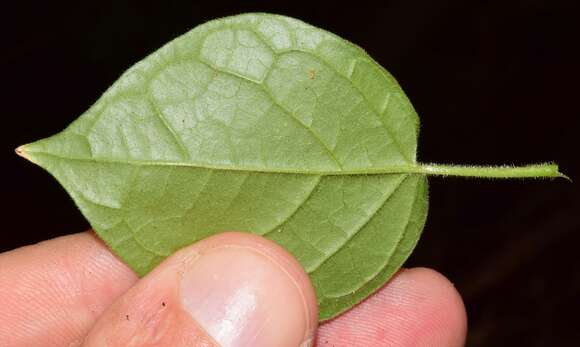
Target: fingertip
[
  {"x": 276, "y": 253},
  {"x": 233, "y": 289},
  {"x": 57, "y": 289},
  {"x": 271, "y": 249},
  {"x": 417, "y": 307},
  {"x": 439, "y": 306}
]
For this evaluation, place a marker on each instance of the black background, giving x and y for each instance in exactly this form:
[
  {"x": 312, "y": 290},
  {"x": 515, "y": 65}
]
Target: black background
[{"x": 493, "y": 82}]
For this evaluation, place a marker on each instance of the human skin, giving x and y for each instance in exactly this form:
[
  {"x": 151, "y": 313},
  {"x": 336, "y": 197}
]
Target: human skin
[{"x": 72, "y": 291}]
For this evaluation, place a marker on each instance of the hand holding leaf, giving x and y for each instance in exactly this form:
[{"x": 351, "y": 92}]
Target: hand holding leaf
[{"x": 259, "y": 123}]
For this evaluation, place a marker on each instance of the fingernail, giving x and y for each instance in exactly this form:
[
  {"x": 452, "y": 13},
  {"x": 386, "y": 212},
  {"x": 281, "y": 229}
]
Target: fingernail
[{"x": 242, "y": 297}]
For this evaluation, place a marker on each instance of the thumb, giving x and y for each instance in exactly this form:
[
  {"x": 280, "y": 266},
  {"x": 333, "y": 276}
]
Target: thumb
[{"x": 232, "y": 289}]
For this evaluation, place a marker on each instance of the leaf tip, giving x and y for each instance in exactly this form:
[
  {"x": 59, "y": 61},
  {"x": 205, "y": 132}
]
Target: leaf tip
[
  {"x": 25, "y": 153},
  {"x": 21, "y": 151}
]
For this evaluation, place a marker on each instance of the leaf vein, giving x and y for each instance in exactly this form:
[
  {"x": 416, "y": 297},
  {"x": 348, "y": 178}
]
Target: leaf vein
[
  {"x": 365, "y": 98},
  {"x": 285, "y": 110},
  {"x": 298, "y": 207},
  {"x": 386, "y": 198},
  {"x": 347, "y": 76},
  {"x": 389, "y": 169},
  {"x": 159, "y": 114},
  {"x": 404, "y": 231}
]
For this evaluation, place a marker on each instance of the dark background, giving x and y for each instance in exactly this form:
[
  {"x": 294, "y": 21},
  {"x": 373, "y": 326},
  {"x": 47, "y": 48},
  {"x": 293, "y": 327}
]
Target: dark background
[{"x": 493, "y": 82}]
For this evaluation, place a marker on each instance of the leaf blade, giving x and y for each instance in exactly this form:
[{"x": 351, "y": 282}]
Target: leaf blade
[{"x": 259, "y": 123}]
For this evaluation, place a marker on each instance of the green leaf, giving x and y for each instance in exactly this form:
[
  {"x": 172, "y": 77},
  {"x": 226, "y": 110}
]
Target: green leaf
[{"x": 258, "y": 123}]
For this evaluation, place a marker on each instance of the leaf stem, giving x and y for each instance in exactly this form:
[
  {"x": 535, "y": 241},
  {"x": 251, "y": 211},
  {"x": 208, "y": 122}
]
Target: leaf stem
[{"x": 544, "y": 170}]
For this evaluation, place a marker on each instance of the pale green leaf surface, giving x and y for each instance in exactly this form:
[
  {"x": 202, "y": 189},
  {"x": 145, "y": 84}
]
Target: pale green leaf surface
[{"x": 256, "y": 123}]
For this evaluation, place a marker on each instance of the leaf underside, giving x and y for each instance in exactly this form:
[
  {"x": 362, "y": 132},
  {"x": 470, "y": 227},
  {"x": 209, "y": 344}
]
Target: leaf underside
[{"x": 252, "y": 123}]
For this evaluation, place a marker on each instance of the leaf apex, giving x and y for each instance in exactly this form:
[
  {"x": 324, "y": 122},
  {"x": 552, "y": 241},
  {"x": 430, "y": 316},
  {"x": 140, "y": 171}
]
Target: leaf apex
[{"x": 21, "y": 151}]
